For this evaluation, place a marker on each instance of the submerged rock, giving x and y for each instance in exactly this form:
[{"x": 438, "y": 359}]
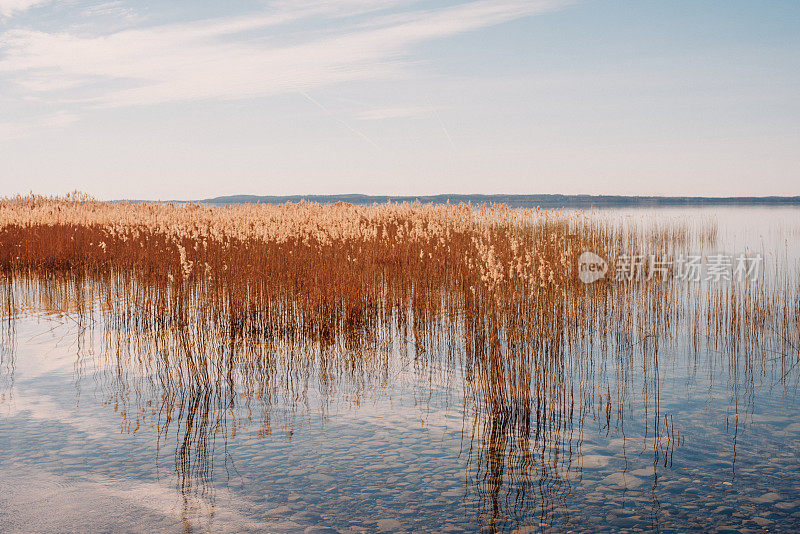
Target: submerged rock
[
  {"x": 623, "y": 480},
  {"x": 594, "y": 461},
  {"x": 767, "y": 497},
  {"x": 388, "y": 525}
]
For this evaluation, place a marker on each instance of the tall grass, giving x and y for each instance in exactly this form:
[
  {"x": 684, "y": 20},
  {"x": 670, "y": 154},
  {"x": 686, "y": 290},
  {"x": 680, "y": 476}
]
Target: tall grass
[{"x": 212, "y": 305}]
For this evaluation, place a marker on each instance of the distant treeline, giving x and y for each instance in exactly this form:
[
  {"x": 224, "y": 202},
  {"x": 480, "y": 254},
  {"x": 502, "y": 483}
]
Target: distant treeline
[{"x": 518, "y": 201}]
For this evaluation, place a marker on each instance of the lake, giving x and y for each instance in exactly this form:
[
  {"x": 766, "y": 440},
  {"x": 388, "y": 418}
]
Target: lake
[{"x": 683, "y": 429}]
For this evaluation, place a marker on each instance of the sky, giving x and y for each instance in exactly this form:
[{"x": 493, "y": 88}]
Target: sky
[{"x": 191, "y": 99}]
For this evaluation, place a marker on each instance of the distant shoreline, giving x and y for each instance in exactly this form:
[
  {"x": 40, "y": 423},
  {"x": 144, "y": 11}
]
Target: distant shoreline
[{"x": 518, "y": 201}]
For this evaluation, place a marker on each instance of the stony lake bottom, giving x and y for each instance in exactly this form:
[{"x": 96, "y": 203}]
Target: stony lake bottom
[{"x": 642, "y": 433}]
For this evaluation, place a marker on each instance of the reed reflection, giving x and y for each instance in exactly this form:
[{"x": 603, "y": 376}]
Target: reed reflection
[{"x": 530, "y": 402}]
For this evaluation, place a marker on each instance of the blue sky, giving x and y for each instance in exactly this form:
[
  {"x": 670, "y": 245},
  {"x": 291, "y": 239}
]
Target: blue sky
[{"x": 191, "y": 99}]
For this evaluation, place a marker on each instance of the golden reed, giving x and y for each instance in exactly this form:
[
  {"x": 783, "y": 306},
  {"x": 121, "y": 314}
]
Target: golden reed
[
  {"x": 495, "y": 287},
  {"x": 218, "y": 303}
]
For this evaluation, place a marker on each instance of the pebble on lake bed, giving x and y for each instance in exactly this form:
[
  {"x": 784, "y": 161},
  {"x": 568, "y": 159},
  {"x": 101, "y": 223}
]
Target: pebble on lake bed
[
  {"x": 388, "y": 525},
  {"x": 623, "y": 480}
]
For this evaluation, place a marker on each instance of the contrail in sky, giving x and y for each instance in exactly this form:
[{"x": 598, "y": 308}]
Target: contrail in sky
[
  {"x": 441, "y": 122},
  {"x": 340, "y": 121}
]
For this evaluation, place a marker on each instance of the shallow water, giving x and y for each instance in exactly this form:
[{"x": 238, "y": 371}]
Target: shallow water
[{"x": 668, "y": 436}]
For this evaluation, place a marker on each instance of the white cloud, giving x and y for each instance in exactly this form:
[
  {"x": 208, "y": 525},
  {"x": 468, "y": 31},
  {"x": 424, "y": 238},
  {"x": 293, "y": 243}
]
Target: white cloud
[
  {"x": 10, "y": 7},
  {"x": 241, "y": 56}
]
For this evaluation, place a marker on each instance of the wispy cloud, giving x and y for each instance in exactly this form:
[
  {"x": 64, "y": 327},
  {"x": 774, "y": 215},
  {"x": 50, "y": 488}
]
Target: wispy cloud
[
  {"x": 17, "y": 129},
  {"x": 11, "y": 7},
  {"x": 240, "y": 57},
  {"x": 114, "y": 8}
]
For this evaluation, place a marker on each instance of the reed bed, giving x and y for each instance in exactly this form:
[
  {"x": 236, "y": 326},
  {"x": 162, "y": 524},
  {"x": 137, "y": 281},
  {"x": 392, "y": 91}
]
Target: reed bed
[{"x": 205, "y": 308}]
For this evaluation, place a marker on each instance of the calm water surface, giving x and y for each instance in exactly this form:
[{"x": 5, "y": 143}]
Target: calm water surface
[{"x": 668, "y": 437}]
